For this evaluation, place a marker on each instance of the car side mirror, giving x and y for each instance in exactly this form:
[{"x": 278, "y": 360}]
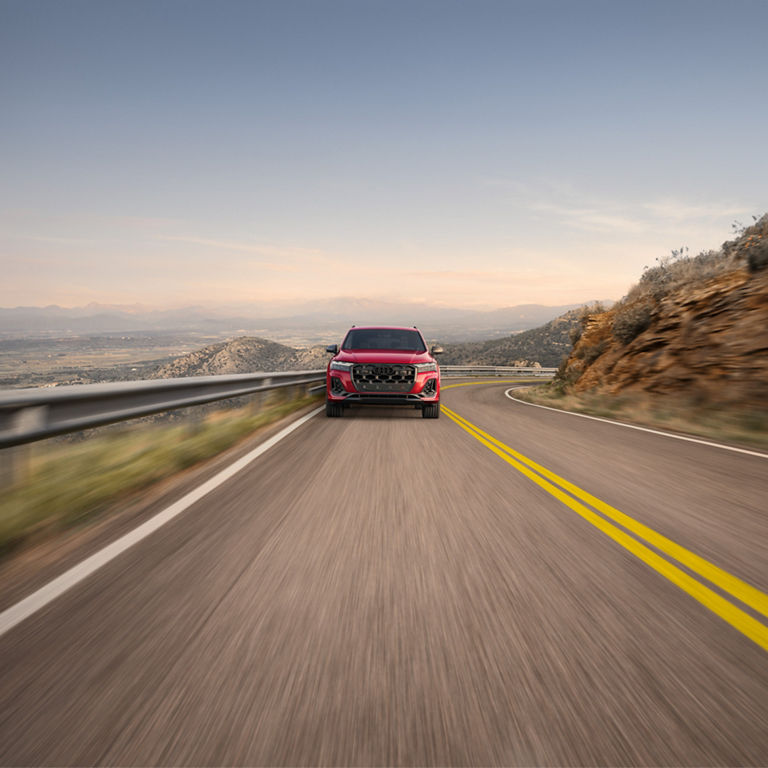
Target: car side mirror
[
  {"x": 437, "y": 350},
  {"x": 333, "y": 349}
]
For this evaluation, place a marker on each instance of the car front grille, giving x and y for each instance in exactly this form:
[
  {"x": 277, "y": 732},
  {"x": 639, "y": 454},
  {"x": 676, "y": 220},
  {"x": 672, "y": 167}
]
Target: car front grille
[{"x": 383, "y": 378}]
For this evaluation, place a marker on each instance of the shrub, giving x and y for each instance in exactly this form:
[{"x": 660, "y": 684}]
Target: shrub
[
  {"x": 757, "y": 253},
  {"x": 590, "y": 352},
  {"x": 563, "y": 378},
  {"x": 630, "y": 321},
  {"x": 593, "y": 351},
  {"x": 575, "y": 334}
]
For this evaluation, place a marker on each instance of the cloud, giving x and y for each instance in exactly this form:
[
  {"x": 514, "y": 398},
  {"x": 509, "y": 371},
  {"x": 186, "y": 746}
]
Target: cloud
[
  {"x": 78, "y": 230},
  {"x": 561, "y": 276},
  {"x": 593, "y": 218},
  {"x": 458, "y": 275},
  {"x": 568, "y": 207},
  {"x": 676, "y": 210},
  {"x": 57, "y": 240},
  {"x": 271, "y": 251}
]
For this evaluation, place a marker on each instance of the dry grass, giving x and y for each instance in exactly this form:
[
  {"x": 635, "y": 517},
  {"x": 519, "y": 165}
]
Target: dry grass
[
  {"x": 635, "y": 312},
  {"x": 68, "y": 483}
]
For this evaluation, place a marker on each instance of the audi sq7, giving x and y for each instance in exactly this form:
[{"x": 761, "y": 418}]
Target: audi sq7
[{"x": 383, "y": 365}]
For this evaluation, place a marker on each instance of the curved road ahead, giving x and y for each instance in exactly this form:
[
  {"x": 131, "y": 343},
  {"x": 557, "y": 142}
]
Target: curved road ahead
[{"x": 509, "y": 586}]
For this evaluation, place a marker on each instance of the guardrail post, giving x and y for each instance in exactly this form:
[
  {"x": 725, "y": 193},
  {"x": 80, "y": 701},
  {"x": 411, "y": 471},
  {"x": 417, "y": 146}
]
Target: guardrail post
[
  {"x": 11, "y": 460},
  {"x": 14, "y": 461},
  {"x": 259, "y": 399},
  {"x": 194, "y": 419}
]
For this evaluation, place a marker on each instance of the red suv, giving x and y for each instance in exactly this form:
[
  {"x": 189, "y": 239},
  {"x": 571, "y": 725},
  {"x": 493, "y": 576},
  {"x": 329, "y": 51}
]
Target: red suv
[{"x": 383, "y": 365}]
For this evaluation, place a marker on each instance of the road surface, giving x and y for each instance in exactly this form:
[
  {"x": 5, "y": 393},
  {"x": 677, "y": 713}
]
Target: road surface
[{"x": 383, "y": 589}]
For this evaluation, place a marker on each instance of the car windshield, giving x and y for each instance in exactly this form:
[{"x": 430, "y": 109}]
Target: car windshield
[{"x": 384, "y": 338}]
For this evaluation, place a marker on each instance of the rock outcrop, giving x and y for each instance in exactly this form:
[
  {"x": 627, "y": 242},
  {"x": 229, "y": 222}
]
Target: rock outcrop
[{"x": 706, "y": 339}]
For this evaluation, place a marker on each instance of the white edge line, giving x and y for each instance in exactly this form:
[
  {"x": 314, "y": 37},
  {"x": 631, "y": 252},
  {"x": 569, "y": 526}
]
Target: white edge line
[
  {"x": 642, "y": 429},
  {"x": 22, "y": 610}
]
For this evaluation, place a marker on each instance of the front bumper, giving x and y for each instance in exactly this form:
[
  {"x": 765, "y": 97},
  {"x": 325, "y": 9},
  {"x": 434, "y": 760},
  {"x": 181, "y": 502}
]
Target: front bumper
[
  {"x": 426, "y": 389},
  {"x": 373, "y": 399}
]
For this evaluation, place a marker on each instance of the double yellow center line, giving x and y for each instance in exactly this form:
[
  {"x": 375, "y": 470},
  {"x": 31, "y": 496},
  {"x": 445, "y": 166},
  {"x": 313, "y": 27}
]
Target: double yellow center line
[{"x": 577, "y": 499}]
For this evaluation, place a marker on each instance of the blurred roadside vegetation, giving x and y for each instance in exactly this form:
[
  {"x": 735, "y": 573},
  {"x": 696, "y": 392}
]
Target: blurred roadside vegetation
[
  {"x": 68, "y": 483},
  {"x": 744, "y": 426}
]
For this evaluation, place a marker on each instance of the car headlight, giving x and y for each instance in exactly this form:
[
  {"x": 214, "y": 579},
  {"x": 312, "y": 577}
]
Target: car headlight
[
  {"x": 424, "y": 367},
  {"x": 336, "y": 365}
]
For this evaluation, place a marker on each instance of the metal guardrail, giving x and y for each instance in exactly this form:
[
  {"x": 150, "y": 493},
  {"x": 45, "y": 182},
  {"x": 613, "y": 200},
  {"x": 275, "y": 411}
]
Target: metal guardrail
[
  {"x": 494, "y": 370},
  {"x": 27, "y": 415}
]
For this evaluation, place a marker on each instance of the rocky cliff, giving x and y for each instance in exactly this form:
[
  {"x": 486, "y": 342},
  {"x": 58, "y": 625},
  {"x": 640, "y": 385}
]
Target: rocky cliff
[{"x": 696, "y": 327}]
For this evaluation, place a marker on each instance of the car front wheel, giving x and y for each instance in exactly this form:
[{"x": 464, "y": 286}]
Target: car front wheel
[
  {"x": 333, "y": 409},
  {"x": 430, "y": 411}
]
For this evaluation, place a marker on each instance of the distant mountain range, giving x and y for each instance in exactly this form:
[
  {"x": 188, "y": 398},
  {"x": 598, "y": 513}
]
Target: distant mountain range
[{"x": 311, "y": 322}]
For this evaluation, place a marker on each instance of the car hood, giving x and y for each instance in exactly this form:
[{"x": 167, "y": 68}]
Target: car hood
[{"x": 384, "y": 356}]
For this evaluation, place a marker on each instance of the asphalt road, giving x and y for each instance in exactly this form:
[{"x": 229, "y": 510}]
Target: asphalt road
[{"x": 383, "y": 589}]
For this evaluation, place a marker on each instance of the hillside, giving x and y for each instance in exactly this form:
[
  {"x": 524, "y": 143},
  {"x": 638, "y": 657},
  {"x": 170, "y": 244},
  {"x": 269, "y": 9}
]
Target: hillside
[
  {"x": 547, "y": 345},
  {"x": 695, "y": 328},
  {"x": 244, "y": 355}
]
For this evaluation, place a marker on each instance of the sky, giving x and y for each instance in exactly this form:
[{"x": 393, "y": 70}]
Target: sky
[{"x": 480, "y": 153}]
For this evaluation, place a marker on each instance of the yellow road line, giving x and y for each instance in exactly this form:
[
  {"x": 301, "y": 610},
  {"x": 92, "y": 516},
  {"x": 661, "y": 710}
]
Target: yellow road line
[
  {"x": 739, "y": 589},
  {"x": 493, "y": 381},
  {"x": 735, "y": 616}
]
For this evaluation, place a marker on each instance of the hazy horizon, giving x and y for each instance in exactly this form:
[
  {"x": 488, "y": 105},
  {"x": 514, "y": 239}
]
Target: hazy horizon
[
  {"x": 473, "y": 155},
  {"x": 285, "y": 306}
]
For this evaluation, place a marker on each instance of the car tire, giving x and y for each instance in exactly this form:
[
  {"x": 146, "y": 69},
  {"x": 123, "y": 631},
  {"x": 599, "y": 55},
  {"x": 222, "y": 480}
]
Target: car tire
[
  {"x": 333, "y": 409},
  {"x": 430, "y": 411}
]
